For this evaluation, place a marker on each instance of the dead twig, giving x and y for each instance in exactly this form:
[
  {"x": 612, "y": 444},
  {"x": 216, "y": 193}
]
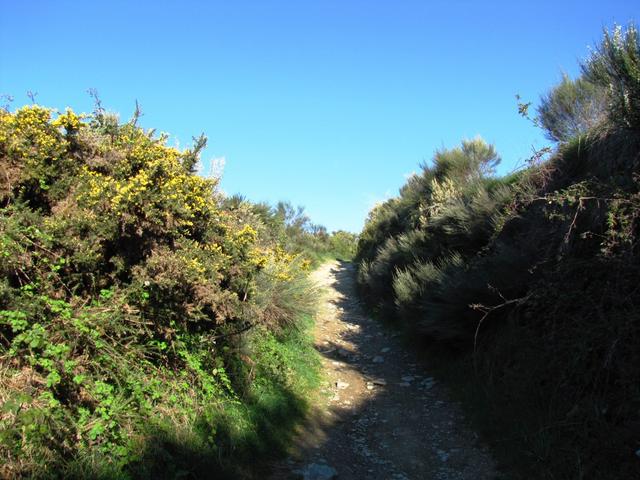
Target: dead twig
[
  {"x": 247, "y": 327},
  {"x": 575, "y": 217},
  {"x": 487, "y": 311}
]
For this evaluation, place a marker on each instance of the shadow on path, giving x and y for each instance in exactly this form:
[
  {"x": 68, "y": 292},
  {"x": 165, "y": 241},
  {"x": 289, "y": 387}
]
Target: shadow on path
[{"x": 379, "y": 415}]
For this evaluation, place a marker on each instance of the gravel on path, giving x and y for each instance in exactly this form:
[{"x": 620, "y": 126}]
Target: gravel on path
[{"x": 379, "y": 415}]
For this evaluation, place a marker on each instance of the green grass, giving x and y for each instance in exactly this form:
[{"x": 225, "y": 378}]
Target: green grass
[{"x": 236, "y": 436}]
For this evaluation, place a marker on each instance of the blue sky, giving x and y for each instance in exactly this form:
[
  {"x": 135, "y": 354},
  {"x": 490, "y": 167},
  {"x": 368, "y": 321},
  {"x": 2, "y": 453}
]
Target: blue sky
[{"x": 327, "y": 104}]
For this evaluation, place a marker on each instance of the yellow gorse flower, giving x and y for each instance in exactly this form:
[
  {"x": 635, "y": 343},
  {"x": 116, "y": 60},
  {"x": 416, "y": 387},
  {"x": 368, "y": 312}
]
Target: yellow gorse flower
[
  {"x": 29, "y": 135},
  {"x": 69, "y": 121}
]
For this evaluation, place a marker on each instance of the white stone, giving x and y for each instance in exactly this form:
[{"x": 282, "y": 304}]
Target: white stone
[{"x": 318, "y": 471}]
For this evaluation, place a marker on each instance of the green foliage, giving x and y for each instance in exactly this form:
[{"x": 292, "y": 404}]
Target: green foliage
[
  {"x": 136, "y": 305},
  {"x": 412, "y": 246},
  {"x": 474, "y": 159},
  {"x": 292, "y": 228},
  {"x": 526, "y": 286},
  {"x": 572, "y": 108},
  {"x": 615, "y": 66}
]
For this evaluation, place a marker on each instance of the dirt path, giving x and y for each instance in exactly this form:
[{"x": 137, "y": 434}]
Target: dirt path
[{"x": 380, "y": 416}]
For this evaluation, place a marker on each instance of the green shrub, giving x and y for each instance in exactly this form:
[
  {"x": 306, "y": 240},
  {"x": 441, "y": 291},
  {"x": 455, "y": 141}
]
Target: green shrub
[
  {"x": 525, "y": 286},
  {"x": 615, "y": 66},
  {"x": 411, "y": 244},
  {"x": 136, "y": 306},
  {"x": 572, "y": 108}
]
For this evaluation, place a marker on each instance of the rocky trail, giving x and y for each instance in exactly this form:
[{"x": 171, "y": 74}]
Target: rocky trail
[{"x": 380, "y": 414}]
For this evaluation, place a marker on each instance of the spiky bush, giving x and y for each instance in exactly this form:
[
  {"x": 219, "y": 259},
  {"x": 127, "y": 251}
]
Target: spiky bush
[
  {"x": 447, "y": 213},
  {"x": 135, "y": 307}
]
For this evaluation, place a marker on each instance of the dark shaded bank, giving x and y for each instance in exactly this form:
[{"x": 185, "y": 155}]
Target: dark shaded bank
[
  {"x": 539, "y": 332},
  {"x": 524, "y": 289}
]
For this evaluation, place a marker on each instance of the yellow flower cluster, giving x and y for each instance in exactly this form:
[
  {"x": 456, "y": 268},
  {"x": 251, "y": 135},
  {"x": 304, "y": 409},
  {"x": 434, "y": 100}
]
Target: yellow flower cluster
[
  {"x": 247, "y": 235},
  {"x": 258, "y": 257},
  {"x": 7, "y": 122},
  {"x": 146, "y": 152},
  {"x": 213, "y": 248},
  {"x": 97, "y": 187},
  {"x": 284, "y": 276},
  {"x": 131, "y": 192},
  {"x": 28, "y": 134},
  {"x": 151, "y": 177},
  {"x": 282, "y": 264},
  {"x": 192, "y": 193},
  {"x": 69, "y": 121},
  {"x": 282, "y": 256},
  {"x": 193, "y": 265},
  {"x": 217, "y": 259}
]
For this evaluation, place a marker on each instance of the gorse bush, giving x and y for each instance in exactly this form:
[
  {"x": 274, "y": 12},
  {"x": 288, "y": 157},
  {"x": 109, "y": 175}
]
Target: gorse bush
[
  {"x": 136, "y": 307},
  {"x": 291, "y": 227},
  {"x": 527, "y": 283}
]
